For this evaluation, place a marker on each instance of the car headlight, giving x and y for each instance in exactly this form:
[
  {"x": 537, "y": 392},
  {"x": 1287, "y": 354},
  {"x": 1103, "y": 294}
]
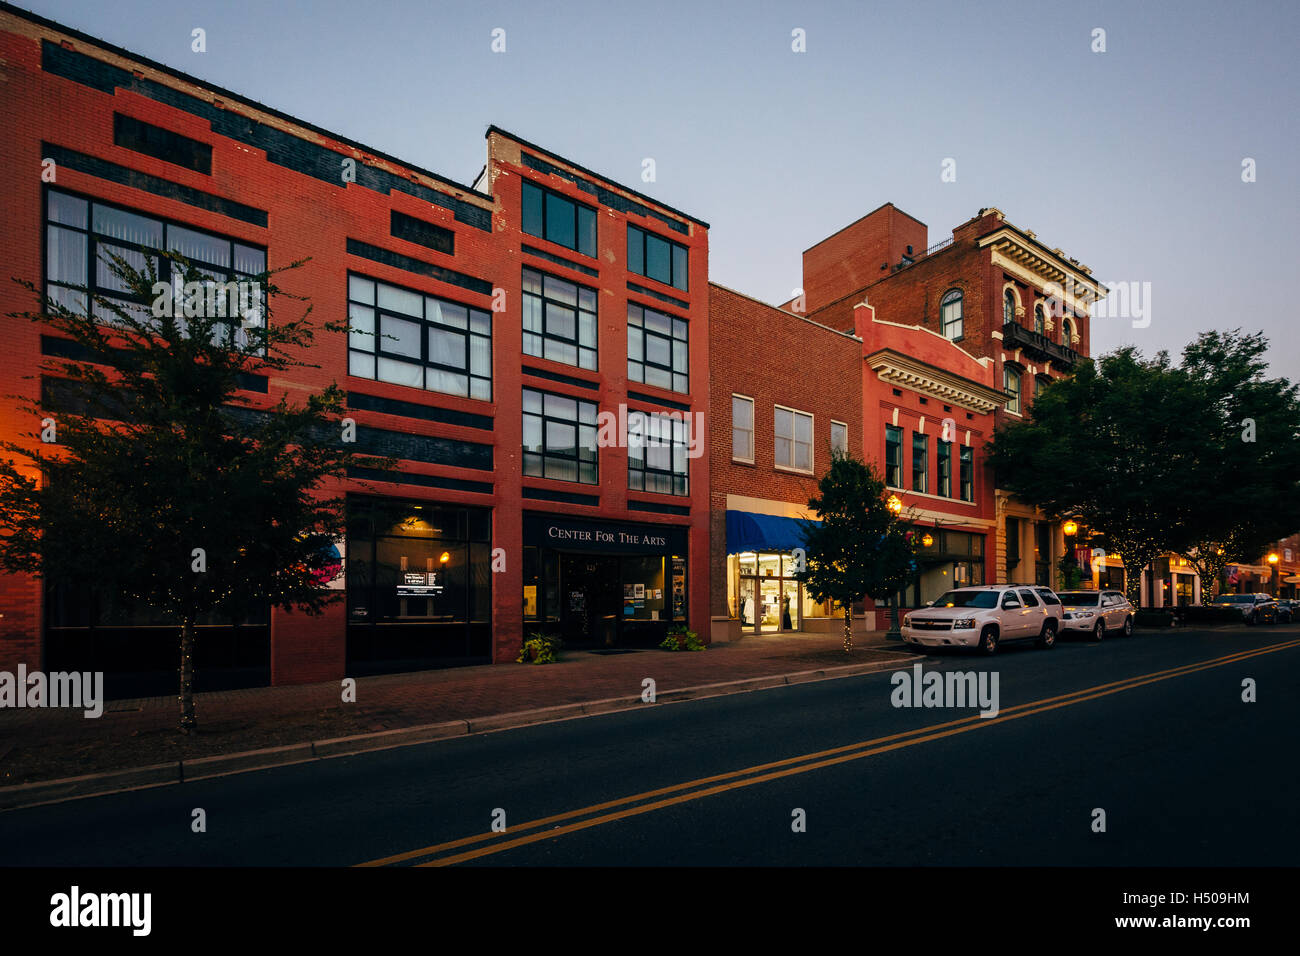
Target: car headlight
[
  {"x": 963, "y": 624},
  {"x": 907, "y": 620}
]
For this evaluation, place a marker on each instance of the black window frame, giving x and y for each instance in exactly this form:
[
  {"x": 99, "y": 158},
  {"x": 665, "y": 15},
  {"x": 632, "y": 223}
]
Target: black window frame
[
  {"x": 921, "y": 462},
  {"x": 943, "y": 459},
  {"x": 576, "y": 342},
  {"x": 376, "y": 338},
  {"x": 678, "y": 445},
  {"x": 894, "y": 444},
  {"x": 676, "y": 324},
  {"x": 966, "y": 472},
  {"x": 578, "y": 245},
  {"x": 545, "y": 455},
  {"x": 1008, "y": 306},
  {"x": 641, "y": 243}
]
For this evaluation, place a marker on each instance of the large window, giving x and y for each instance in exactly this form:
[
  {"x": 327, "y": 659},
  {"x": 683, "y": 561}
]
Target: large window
[
  {"x": 1008, "y": 306},
  {"x": 657, "y": 258},
  {"x": 794, "y": 444},
  {"x": 1011, "y": 385},
  {"x": 404, "y": 337},
  {"x": 552, "y": 217},
  {"x": 742, "y": 429},
  {"x": 559, "y": 437},
  {"x": 82, "y": 234},
  {"x": 920, "y": 463},
  {"x": 943, "y": 451},
  {"x": 967, "y": 456},
  {"x": 656, "y": 453},
  {"x": 1067, "y": 332},
  {"x": 893, "y": 456},
  {"x": 950, "y": 315},
  {"x": 1040, "y": 322},
  {"x": 559, "y": 320},
  {"x": 656, "y": 349}
]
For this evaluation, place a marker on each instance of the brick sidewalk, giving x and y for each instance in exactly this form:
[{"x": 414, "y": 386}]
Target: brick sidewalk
[{"x": 48, "y": 744}]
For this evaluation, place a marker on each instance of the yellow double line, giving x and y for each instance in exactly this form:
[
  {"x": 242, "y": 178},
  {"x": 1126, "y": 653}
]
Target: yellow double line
[{"x": 646, "y": 802}]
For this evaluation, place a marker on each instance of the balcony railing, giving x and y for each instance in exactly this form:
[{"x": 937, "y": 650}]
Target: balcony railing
[{"x": 1038, "y": 345}]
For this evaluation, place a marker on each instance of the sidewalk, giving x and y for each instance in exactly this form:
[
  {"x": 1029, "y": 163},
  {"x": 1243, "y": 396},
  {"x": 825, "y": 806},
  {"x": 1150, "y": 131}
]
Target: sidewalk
[{"x": 42, "y": 745}]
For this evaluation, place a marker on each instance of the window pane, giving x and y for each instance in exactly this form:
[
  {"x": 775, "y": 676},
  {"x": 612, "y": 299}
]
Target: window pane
[
  {"x": 532, "y": 433},
  {"x": 658, "y": 322},
  {"x": 398, "y": 335},
  {"x": 559, "y": 290},
  {"x": 802, "y": 455},
  {"x": 803, "y": 428},
  {"x": 361, "y": 326},
  {"x": 361, "y": 364},
  {"x": 400, "y": 373},
  {"x": 447, "y": 348},
  {"x": 480, "y": 355},
  {"x": 559, "y": 220},
  {"x": 587, "y": 358},
  {"x": 557, "y": 406},
  {"x": 480, "y": 388},
  {"x": 66, "y": 255},
  {"x": 532, "y": 202},
  {"x": 198, "y": 245},
  {"x": 635, "y": 254},
  {"x": 742, "y": 412},
  {"x": 561, "y": 321},
  {"x": 436, "y": 380},
  {"x": 658, "y": 259},
  {"x": 679, "y": 383},
  {"x": 586, "y": 328},
  {"x": 361, "y": 290},
  {"x": 249, "y": 260},
  {"x": 657, "y": 350},
  {"x": 68, "y": 210},
  {"x": 448, "y": 313},
  {"x": 104, "y": 275},
  {"x": 480, "y": 322},
  {"x": 783, "y": 451},
  {"x": 679, "y": 356},
  {"x": 587, "y": 231},
  {"x": 658, "y": 377},
  {"x": 400, "y": 300},
  {"x": 635, "y": 344},
  {"x": 558, "y": 351},
  {"x": 127, "y": 226},
  {"x": 784, "y": 423},
  {"x": 679, "y": 267}
]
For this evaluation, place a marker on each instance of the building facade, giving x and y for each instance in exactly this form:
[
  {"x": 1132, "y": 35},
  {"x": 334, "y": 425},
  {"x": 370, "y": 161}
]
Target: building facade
[{"x": 532, "y": 349}]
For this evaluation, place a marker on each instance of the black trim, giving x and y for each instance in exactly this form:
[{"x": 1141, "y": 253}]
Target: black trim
[
  {"x": 398, "y": 261},
  {"x": 557, "y": 377},
  {"x": 124, "y": 176},
  {"x": 568, "y": 497},
  {"x": 560, "y": 261},
  {"x": 422, "y": 233},
  {"x": 360, "y": 401},
  {"x": 634, "y": 505},
  {"x": 633, "y": 287},
  {"x": 658, "y": 401},
  {"x": 170, "y": 147},
  {"x": 424, "y": 481}
]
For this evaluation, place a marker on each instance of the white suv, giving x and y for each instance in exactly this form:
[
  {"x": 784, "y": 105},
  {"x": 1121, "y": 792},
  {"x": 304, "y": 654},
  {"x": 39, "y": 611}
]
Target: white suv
[{"x": 983, "y": 617}]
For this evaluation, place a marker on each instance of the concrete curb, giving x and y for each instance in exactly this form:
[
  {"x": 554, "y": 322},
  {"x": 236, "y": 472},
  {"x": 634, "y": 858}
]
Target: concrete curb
[{"x": 202, "y": 768}]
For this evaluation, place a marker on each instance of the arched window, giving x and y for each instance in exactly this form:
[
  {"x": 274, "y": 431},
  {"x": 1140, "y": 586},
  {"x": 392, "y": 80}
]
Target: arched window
[
  {"x": 1011, "y": 385},
  {"x": 1067, "y": 331},
  {"x": 1008, "y": 306},
  {"x": 1040, "y": 322},
  {"x": 950, "y": 314}
]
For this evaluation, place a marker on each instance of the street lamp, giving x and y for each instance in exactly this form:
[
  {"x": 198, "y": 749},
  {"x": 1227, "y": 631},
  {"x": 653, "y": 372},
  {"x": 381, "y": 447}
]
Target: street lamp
[
  {"x": 1272, "y": 577},
  {"x": 893, "y": 634},
  {"x": 1070, "y": 528},
  {"x": 894, "y": 505},
  {"x": 927, "y": 539}
]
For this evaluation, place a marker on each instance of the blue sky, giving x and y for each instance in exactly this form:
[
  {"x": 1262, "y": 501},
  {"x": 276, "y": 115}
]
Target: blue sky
[{"x": 1129, "y": 160}]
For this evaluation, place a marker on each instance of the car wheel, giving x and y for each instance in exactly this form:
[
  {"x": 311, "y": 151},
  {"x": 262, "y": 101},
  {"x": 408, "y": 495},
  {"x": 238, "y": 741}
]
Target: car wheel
[
  {"x": 1047, "y": 640},
  {"x": 988, "y": 640},
  {"x": 1128, "y": 626},
  {"x": 1098, "y": 631},
  {"x": 1250, "y": 618}
]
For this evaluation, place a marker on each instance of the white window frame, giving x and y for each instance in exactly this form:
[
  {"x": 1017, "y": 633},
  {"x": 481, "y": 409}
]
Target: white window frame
[
  {"x": 1007, "y": 373},
  {"x": 776, "y": 436},
  {"x": 752, "y": 427},
  {"x": 845, "y": 426}
]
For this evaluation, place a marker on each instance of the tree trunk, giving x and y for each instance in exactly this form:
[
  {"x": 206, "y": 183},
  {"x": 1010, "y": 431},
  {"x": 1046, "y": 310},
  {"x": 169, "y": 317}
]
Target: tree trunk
[
  {"x": 189, "y": 723},
  {"x": 848, "y": 627}
]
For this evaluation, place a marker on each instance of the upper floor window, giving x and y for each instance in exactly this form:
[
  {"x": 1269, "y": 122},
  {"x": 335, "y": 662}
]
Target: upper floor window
[
  {"x": 1067, "y": 331},
  {"x": 742, "y": 429},
  {"x": 1011, "y": 385},
  {"x": 424, "y": 233},
  {"x": 657, "y": 349},
  {"x": 82, "y": 234},
  {"x": 839, "y": 438},
  {"x": 893, "y": 456},
  {"x": 134, "y": 134},
  {"x": 1008, "y": 306},
  {"x": 794, "y": 442},
  {"x": 656, "y": 258},
  {"x": 950, "y": 321},
  {"x": 1040, "y": 321},
  {"x": 559, "y": 437},
  {"x": 559, "y": 320},
  {"x": 967, "y": 476},
  {"x": 404, "y": 337},
  {"x": 552, "y": 217},
  {"x": 920, "y": 462},
  {"x": 657, "y": 448},
  {"x": 944, "y": 453}
]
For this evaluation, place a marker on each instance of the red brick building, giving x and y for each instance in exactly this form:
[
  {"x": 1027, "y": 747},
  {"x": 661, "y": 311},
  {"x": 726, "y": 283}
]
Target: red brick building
[
  {"x": 998, "y": 295},
  {"x": 789, "y": 390},
  {"x": 507, "y": 335}
]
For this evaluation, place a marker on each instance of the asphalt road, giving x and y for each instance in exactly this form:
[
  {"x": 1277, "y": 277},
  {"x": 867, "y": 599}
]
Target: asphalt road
[{"x": 1151, "y": 729}]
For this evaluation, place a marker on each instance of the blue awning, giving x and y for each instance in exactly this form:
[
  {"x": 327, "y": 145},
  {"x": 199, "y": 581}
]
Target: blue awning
[{"x": 747, "y": 531}]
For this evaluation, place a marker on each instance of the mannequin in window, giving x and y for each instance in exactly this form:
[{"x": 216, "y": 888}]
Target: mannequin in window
[
  {"x": 785, "y": 614},
  {"x": 747, "y": 610}
]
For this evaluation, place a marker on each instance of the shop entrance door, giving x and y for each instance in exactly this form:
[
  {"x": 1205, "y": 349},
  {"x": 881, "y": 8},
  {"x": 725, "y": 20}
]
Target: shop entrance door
[
  {"x": 591, "y": 599},
  {"x": 770, "y": 600}
]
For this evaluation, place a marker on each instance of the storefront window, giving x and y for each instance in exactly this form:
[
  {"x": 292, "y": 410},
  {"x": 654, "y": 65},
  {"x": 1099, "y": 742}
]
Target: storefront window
[{"x": 764, "y": 594}]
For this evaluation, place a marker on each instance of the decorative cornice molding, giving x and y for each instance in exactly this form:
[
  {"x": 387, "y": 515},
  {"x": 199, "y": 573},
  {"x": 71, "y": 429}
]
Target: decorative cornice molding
[{"x": 906, "y": 372}]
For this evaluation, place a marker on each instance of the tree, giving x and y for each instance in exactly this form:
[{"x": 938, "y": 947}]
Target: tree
[
  {"x": 160, "y": 476},
  {"x": 860, "y": 548},
  {"x": 1248, "y": 479},
  {"x": 1115, "y": 446}
]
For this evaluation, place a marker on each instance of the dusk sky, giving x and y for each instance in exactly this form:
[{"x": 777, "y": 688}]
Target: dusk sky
[{"x": 1129, "y": 160}]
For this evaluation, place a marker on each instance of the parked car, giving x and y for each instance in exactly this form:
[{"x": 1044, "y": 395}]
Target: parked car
[
  {"x": 1096, "y": 613},
  {"x": 984, "y": 617},
  {"x": 1286, "y": 611},
  {"x": 1254, "y": 608}
]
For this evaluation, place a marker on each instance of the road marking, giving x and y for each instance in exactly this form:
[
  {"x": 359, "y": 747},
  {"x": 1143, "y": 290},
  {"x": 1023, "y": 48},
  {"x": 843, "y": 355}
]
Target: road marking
[{"x": 791, "y": 766}]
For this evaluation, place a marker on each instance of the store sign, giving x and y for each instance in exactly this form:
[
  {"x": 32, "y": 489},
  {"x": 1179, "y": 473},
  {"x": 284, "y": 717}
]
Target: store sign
[
  {"x": 621, "y": 537},
  {"x": 419, "y": 584}
]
